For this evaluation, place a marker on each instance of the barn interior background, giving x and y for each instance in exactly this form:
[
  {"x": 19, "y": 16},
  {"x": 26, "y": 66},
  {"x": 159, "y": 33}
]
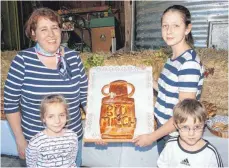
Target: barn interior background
[
  {"x": 127, "y": 33},
  {"x": 123, "y": 33}
]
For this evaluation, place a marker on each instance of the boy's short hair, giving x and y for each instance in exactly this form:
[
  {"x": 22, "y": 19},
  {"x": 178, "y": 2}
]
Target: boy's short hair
[
  {"x": 52, "y": 99},
  {"x": 189, "y": 108}
]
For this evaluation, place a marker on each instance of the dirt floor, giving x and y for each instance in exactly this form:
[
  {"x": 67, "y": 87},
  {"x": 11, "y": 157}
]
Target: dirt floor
[
  {"x": 13, "y": 161},
  {"x": 10, "y": 161}
]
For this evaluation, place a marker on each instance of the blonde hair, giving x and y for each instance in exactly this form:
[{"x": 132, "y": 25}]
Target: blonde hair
[
  {"x": 52, "y": 99},
  {"x": 189, "y": 108}
]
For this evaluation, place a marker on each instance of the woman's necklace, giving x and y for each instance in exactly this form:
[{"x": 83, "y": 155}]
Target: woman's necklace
[
  {"x": 44, "y": 53},
  {"x": 62, "y": 66}
]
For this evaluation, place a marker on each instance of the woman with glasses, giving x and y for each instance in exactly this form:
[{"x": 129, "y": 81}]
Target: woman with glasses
[
  {"x": 189, "y": 149},
  {"x": 46, "y": 68}
]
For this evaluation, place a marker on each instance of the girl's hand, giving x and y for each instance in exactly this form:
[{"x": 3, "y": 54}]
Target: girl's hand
[{"x": 143, "y": 140}]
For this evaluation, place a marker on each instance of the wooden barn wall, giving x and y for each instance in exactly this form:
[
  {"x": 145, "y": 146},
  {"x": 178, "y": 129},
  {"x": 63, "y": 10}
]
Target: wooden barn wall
[
  {"x": 10, "y": 38},
  {"x": 14, "y": 14},
  {"x": 81, "y": 4},
  {"x": 87, "y": 4}
]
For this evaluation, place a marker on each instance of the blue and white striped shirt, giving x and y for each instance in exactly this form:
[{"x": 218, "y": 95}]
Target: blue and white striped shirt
[
  {"x": 28, "y": 81},
  {"x": 47, "y": 151},
  {"x": 183, "y": 74}
]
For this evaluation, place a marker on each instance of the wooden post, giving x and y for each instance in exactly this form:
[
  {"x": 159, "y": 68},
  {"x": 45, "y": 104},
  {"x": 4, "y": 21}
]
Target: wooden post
[
  {"x": 113, "y": 42},
  {"x": 128, "y": 21},
  {"x": 103, "y": 3}
]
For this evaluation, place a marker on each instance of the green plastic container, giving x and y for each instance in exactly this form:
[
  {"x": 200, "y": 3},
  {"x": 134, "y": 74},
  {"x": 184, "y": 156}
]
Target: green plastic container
[{"x": 102, "y": 22}]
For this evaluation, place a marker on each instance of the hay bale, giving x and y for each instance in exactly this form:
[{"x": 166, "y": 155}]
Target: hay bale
[
  {"x": 6, "y": 58},
  {"x": 215, "y": 88},
  {"x": 156, "y": 59}
]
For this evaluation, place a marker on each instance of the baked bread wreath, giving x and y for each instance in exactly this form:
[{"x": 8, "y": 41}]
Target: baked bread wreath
[
  {"x": 210, "y": 108},
  {"x": 218, "y": 125}
]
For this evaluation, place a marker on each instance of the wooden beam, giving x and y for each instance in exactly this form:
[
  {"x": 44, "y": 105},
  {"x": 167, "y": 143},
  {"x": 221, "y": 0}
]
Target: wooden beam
[
  {"x": 84, "y": 10},
  {"x": 103, "y": 2},
  {"x": 128, "y": 21}
]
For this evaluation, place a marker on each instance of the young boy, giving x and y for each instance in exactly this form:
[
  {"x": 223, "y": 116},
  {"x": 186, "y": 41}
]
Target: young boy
[{"x": 189, "y": 149}]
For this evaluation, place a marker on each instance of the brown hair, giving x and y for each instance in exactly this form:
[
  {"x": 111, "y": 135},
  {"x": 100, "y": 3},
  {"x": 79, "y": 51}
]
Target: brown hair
[
  {"x": 189, "y": 108},
  {"x": 51, "y": 99},
  {"x": 187, "y": 20},
  {"x": 31, "y": 24}
]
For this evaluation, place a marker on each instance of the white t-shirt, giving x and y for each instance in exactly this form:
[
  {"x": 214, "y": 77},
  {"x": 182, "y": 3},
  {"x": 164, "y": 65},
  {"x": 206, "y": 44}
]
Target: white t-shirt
[
  {"x": 173, "y": 155},
  {"x": 45, "y": 151}
]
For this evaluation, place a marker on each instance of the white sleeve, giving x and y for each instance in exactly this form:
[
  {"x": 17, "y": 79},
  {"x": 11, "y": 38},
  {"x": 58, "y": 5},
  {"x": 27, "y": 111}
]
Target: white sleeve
[
  {"x": 215, "y": 160},
  {"x": 31, "y": 155},
  {"x": 75, "y": 146},
  {"x": 163, "y": 160}
]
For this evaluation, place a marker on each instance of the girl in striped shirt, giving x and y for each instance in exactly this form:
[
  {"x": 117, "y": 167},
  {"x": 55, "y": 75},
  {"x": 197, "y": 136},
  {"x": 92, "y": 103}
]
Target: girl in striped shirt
[
  {"x": 55, "y": 146},
  {"x": 181, "y": 77}
]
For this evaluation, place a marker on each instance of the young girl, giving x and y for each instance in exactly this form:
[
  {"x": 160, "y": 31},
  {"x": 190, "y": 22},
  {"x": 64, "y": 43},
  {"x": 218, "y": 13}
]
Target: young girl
[
  {"x": 181, "y": 77},
  {"x": 55, "y": 146}
]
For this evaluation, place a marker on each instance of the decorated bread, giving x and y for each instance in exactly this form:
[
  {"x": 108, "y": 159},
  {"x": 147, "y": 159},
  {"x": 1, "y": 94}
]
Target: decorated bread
[
  {"x": 117, "y": 116},
  {"x": 218, "y": 125},
  {"x": 210, "y": 108}
]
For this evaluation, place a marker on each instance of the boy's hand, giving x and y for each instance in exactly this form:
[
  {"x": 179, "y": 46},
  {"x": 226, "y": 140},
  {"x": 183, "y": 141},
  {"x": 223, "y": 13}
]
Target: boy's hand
[{"x": 143, "y": 140}]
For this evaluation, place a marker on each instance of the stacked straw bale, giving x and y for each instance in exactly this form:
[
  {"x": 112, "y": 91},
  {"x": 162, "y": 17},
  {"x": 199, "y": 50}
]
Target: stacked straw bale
[
  {"x": 6, "y": 58},
  {"x": 215, "y": 89}
]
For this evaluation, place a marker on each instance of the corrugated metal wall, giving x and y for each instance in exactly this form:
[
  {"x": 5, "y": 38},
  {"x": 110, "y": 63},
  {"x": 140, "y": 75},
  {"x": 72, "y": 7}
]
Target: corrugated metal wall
[{"x": 148, "y": 20}]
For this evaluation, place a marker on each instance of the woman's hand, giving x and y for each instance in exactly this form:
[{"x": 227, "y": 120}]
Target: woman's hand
[
  {"x": 143, "y": 140},
  {"x": 14, "y": 120},
  {"x": 21, "y": 146}
]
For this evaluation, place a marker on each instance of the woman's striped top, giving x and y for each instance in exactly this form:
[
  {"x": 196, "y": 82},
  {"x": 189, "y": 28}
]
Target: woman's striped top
[{"x": 28, "y": 81}]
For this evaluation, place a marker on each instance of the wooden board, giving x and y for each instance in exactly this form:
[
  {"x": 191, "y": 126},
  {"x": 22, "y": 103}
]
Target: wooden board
[{"x": 108, "y": 140}]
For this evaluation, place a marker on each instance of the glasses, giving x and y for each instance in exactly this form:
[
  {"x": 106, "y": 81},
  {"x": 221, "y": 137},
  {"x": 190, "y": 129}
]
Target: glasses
[{"x": 198, "y": 128}]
